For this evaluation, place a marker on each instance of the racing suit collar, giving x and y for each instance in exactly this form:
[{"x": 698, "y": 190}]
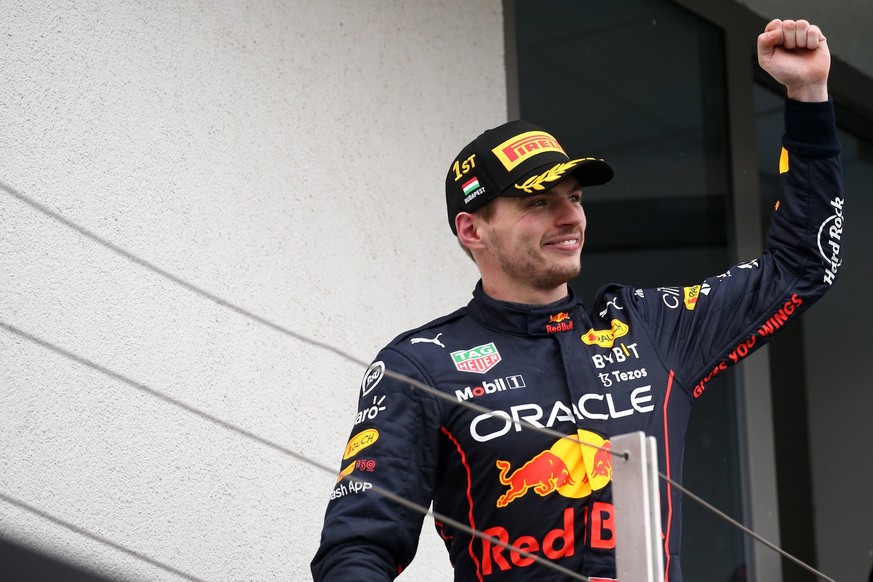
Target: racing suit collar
[{"x": 522, "y": 319}]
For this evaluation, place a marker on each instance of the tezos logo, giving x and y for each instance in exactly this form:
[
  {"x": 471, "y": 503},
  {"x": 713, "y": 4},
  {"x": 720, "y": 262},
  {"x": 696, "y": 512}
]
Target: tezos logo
[{"x": 477, "y": 360}]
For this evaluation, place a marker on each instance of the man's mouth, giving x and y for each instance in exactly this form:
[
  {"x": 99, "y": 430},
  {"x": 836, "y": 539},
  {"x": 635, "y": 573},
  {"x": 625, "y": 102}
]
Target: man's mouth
[{"x": 567, "y": 241}]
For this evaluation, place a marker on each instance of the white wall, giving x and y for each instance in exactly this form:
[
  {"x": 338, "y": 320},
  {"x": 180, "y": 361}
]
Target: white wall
[{"x": 287, "y": 157}]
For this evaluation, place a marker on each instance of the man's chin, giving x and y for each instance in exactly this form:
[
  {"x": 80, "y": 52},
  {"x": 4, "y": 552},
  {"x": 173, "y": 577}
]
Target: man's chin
[{"x": 557, "y": 277}]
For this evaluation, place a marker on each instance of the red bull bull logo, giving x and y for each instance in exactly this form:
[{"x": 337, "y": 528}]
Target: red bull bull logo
[
  {"x": 602, "y": 462},
  {"x": 572, "y": 469},
  {"x": 544, "y": 473},
  {"x": 559, "y": 322}
]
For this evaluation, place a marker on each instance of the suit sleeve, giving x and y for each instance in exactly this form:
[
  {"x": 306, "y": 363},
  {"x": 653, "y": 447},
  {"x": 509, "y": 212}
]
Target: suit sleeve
[
  {"x": 392, "y": 446},
  {"x": 707, "y": 327}
]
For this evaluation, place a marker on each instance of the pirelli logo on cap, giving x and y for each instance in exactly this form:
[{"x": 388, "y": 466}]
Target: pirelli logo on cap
[{"x": 524, "y": 146}]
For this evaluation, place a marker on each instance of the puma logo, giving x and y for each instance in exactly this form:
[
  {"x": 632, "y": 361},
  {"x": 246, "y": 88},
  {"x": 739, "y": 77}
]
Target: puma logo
[{"x": 436, "y": 340}]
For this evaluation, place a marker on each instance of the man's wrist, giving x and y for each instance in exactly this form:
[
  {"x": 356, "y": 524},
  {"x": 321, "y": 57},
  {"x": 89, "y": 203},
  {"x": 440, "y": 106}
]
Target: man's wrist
[
  {"x": 809, "y": 93},
  {"x": 810, "y": 128}
]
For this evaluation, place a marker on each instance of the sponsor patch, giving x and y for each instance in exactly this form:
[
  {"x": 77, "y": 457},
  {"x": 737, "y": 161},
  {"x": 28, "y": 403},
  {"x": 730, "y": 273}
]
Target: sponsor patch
[
  {"x": 559, "y": 322},
  {"x": 372, "y": 377},
  {"x": 360, "y": 441},
  {"x": 372, "y": 411},
  {"x": 477, "y": 360},
  {"x": 568, "y": 468},
  {"x": 605, "y": 338},
  {"x": 829, "y": 234},
  {"x": 368, "y": 465},
  {"x": 522, "y": 147},
  {"x": 496, "y": 385},
  {"x": 691, "y": 296}
]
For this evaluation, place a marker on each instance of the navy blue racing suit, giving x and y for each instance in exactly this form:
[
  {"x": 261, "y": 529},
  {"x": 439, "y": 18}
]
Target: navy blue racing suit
[{"x": 636, "y": 361}]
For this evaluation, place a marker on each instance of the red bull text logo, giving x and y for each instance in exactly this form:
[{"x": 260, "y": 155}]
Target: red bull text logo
[
  {"x": 477, "y": 360},
  {"x": 574, "y": 467},
  {"x": 605, "y": 338},
  {"x": 598, "y": 531},
  {"x": 559, "y": 322},
  {"x": 522, "y": 147}
]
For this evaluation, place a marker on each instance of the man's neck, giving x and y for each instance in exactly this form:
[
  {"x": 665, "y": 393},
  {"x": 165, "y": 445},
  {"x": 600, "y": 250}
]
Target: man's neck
[{"x": 525, "y": 295}]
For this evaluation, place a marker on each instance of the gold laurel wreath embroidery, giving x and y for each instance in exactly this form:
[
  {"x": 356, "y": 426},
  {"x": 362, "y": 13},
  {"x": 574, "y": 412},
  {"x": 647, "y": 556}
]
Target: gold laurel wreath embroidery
[{"x": 553, "y": 174}]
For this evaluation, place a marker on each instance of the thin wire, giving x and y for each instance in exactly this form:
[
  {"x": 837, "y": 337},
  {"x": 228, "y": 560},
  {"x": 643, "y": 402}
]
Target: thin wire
[
  {"x": 304, "y": 459},
  {"x": 474, "y": 532},
  {"x": 740, "y": 526},
  {"x": 261, "y": 440},
  {"x": 266, "y": 322},
  {"x": 83, "y": 532},
  {"x": 328, "y": 347},
  {"x": 479, "y": 408}
]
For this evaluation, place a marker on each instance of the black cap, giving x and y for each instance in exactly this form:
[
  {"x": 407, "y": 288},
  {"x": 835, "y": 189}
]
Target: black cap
[{"x": 513, "y": 159}]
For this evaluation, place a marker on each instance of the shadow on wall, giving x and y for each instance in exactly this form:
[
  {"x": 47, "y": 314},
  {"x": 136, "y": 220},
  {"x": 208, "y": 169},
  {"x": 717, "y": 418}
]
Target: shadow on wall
[{"x": 18, "y": 564}]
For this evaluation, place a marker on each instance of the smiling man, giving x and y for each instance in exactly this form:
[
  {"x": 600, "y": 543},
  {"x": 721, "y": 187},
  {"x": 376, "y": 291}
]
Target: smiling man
[
  {"x": 528, "y": 238},
  {"x": 526, "y": 349}
]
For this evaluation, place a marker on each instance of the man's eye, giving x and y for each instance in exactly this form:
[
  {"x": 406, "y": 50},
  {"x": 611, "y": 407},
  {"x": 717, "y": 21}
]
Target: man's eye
[{"x": 537, "y": 202}]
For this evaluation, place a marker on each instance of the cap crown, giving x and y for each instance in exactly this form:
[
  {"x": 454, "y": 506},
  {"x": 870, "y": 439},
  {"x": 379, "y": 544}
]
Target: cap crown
[{"x": 513, "y": 159}]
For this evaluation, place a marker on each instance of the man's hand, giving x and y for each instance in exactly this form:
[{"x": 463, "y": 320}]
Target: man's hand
[{"x": 795, "y": 53}]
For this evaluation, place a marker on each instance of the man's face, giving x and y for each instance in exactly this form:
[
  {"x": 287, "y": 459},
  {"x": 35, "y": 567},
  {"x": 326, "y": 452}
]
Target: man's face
[{"x": 536, "y": 241}]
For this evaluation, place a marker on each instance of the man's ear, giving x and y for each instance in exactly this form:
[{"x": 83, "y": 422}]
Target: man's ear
[{"x": 467, "y": 226}]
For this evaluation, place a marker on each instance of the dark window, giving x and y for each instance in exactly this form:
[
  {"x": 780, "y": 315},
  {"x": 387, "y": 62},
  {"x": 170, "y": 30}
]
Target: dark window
[
  {"x": 820, "y": 397},
  {"x": 642, "y": 85}
]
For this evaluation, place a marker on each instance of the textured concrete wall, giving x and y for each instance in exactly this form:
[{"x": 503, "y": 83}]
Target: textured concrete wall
[{"x": 286, "y": 157}]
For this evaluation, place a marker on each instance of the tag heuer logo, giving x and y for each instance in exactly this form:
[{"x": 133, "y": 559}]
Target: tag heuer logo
[{"x": 477, "y": 360}]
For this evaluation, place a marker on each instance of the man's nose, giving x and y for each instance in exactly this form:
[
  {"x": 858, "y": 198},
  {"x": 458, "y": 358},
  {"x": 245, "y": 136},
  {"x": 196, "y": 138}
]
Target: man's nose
[{"x": 569, "y": 212}]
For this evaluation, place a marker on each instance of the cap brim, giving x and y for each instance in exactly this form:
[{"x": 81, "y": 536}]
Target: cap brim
[
  {"x": 589, "y": 172},
  {"x": 593, "y": 172}
]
